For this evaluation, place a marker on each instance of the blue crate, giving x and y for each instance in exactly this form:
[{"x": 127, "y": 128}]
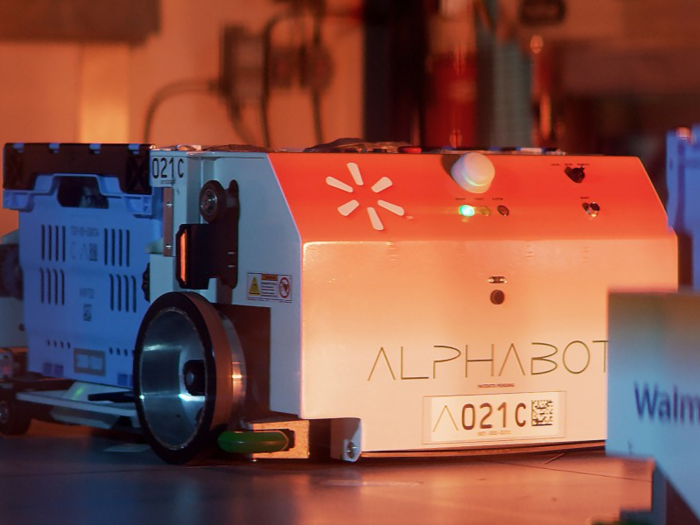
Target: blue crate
[
  {"x": 683, "y": 184},
  {"x": 83, "y": 227}
]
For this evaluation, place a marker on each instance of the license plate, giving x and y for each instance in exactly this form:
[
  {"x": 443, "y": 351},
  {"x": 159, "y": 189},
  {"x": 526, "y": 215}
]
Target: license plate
[{"x": 493, "y": 417}]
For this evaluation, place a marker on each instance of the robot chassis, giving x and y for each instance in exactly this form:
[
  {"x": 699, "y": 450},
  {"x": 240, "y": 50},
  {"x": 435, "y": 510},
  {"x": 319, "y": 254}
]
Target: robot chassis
[{"x": 374, "y": 298}]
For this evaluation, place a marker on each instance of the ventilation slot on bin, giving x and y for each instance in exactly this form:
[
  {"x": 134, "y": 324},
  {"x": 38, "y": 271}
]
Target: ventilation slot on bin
[
  {"x": 122, "y": 293},
  {"x": 53, "y": 243},
  {"x": 117, "y": 247},
  {"x": 52, "y": 286}
]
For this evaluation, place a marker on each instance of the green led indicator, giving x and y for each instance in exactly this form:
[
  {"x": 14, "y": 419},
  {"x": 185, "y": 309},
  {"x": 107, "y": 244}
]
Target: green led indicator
[{"x": 467, "y": 211}]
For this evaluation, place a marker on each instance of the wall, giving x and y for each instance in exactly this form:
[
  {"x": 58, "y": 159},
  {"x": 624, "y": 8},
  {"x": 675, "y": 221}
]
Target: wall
[{"x": 99, "y": 92}]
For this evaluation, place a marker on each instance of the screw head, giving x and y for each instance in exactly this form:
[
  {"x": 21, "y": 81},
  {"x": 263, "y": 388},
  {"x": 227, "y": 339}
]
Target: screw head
[
  {"x": 212, "y": 201},
  {"x": 208, "y": 203},
  {"x": 351, "y": 450}
]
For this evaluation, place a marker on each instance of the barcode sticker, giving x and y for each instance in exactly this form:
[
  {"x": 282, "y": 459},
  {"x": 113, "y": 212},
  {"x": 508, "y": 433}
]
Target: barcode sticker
[{"x": 543, "y": 413}]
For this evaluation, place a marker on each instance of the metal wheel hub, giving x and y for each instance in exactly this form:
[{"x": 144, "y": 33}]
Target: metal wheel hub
[{"x": 189, "y": 374}]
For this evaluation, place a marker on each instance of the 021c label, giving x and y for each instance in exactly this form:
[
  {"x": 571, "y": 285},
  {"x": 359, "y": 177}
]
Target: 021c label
[{"x": 493, "y": 417}]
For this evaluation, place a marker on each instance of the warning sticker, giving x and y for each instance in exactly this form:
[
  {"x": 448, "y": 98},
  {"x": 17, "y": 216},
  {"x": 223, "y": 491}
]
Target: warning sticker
[{"x": 270, "y": 287}]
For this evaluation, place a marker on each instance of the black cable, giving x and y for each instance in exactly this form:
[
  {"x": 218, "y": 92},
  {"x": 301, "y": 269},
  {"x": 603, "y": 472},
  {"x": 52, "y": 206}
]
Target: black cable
[
  {"x": 316, "y": 90},
  {"x": 184, "y": 87},
  {"x": 171, "y": 90},
  {"x": 265, "y": 83},
  {"x": 265, "y": 95},
  {"x": 239, "y": 126}
]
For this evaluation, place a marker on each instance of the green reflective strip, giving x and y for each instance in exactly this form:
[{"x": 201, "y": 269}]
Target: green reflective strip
[{"x": 252, "y": 442}]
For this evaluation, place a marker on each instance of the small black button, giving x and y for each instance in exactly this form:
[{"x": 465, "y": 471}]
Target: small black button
[
  {"x": 497, "y": 297},
  {"x": 575, "y": 174},
  {"x": 591, "y": 208}
]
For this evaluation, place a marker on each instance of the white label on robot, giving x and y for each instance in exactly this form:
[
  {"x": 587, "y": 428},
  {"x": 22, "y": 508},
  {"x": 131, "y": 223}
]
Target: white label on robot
[
  {"x": 165, "y": 170},
  {"x": 493, "y": 417},
  {"x": 270, "y": 287}
]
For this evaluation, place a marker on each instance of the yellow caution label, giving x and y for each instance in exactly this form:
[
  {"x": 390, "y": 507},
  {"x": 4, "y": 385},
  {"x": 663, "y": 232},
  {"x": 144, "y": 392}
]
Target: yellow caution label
[
  {"x": 270, "y": 287},
  {"x": 254, "y": 288}
]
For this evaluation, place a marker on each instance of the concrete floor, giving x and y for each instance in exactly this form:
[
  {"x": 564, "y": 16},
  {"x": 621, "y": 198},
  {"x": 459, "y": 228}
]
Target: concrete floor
[{"x": 59, "y": 474}]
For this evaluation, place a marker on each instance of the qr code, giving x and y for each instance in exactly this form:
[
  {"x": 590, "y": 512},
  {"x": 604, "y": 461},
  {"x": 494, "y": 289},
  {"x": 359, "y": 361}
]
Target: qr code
[
  {"x": 542, "y": 413},
  {"x": 87, "y": 312}
]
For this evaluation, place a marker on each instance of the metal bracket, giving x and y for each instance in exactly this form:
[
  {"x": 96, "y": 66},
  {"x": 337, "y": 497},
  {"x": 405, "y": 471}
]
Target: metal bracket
[
  {"x": 346, "y": 439},
  {"x": 300, "y": 446}
]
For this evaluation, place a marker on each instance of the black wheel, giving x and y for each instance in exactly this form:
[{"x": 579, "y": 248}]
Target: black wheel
[
  {"x": 14, "y": 418},
  {"x": 189, "y": 376}
]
